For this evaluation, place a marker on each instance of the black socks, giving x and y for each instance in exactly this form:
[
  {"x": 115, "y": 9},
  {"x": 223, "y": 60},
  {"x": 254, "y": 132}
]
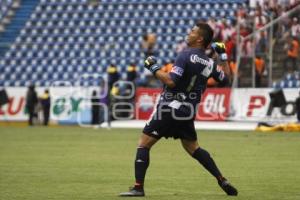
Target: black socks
[
  {"x": 141, "y": 165},
  {"x": 204, "y": 158},
  {"x": 143, "y": 158}
]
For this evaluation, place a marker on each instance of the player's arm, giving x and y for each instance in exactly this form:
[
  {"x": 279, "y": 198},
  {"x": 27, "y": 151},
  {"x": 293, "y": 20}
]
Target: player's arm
[
  {"x": 172, "y": 78},
  {"x": 226, "y": 69},
  {"x": 223, "y": 76},
  {"x": 165, "y": 78}
]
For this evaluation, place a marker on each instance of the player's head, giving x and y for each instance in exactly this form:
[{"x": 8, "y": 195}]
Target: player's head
[{"x": 201, "y": 35}]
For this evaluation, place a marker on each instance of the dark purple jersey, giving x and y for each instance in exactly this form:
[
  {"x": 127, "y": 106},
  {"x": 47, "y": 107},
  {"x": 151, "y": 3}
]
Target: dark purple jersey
[{"x": 190, "y": 73}]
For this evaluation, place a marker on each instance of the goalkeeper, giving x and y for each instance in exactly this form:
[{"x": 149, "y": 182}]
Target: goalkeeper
[{"x": 175, "y": 112}]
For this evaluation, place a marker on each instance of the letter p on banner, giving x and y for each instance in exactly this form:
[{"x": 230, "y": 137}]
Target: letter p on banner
[{"x": 256, "y": 102}]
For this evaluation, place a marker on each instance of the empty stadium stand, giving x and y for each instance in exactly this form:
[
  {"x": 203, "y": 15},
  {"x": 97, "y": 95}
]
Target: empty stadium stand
[
  {"x": 290, "y": 80},
  {"x": 63, "y": 39}
]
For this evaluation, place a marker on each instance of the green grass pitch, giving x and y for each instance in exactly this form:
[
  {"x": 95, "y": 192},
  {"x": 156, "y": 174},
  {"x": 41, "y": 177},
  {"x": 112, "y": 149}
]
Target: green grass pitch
[{"x": 78, "y": 163}]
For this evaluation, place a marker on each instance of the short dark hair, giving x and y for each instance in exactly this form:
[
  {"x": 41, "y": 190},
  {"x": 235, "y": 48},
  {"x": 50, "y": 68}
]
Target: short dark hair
[{"x": 206, "y": 32}]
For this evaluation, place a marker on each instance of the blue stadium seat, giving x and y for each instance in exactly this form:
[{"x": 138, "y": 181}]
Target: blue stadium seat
[
  {"x": 291, "y": 80},
  {"x": 65, "y": 38}
]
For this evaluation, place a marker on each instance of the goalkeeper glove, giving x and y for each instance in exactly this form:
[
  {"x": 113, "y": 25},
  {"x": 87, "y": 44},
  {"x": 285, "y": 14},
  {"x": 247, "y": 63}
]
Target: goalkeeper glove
[
  {"x": 150, "y": 64},
  {"x": 220, "y": 48}
]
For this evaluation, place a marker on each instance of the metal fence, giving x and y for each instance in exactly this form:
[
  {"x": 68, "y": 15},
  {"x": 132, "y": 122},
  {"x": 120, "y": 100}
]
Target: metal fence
[{"x": 262, "y": 58}]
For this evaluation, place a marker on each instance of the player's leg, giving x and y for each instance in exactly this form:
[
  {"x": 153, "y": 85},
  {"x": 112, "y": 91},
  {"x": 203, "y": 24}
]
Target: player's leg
[
  {"x": 142, "y": 159},
  {"x": 31, "y": 115},
  {"x": 141, "y": 164},
  {"x": 204, "y": 158}
]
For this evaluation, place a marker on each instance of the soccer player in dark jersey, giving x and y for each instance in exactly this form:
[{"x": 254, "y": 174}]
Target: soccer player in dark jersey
[{"x": 175, "y": 112}]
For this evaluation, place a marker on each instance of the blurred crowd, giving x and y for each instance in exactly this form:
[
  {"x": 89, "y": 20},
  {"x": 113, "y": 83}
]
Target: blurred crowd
[
  {"x": 260, "y": 13},
  {"x": 250, "y": 19}
]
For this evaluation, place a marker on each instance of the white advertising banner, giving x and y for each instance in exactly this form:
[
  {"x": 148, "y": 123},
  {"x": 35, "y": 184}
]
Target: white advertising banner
[
  {"x": 255, "y": 105},
  {"x": 68, "y": 104}
]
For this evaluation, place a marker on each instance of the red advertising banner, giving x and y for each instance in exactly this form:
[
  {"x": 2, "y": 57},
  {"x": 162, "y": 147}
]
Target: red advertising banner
[
  {"x": 214, "y": 106},
  {"x": 145, "y": 101},
  {"x": 14, "y": 107}
]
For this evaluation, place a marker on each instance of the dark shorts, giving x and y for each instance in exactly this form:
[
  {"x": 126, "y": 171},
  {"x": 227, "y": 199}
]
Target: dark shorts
[{"x": 166, "y": 126}]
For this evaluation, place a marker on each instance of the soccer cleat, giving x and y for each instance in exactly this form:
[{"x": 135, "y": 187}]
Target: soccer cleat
[
  {"x": 228, "y": 188},
  {"x": 133, "y": 192}
]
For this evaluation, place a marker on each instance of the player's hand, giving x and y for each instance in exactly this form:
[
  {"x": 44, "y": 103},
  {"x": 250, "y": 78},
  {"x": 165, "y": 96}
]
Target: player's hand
[
  {"x": 151, "y": 64},
  {"x": 220, "y": 48}
]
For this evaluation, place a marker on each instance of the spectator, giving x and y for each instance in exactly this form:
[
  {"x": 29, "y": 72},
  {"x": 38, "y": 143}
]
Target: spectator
[
  {"x": 242, "y": 16},
  {"x": 254, "y": 3},
  {"x": 295, "y": 29},
  {"x": 259, "y": 70},
  {"x": 46, "y": 104},
  {"x": 131, "y": 76},
  {"x": 131, "y": 72},
  {"x": 148, "y": 44},
  {"x": 217, "y": 27},
  {"x": 284, "y": 2},
  {"x": 218, "y": 31},
  {"x": 121, "y": 104},
  {"x": 277, "y": 27},
  {"x": 95, "y": 101},
  {"x": 292, "y": 53},
  {"x": 31, "y": 103},
  {"x": 262, "y": 44},
  {"x": 247, "y": 47},
  {"x": 3, "y": 97},
  {"x": 212, "y": 22},
  {"x": 227, "y": 31},
  {"x": 113, "y": 75},
  {"x": 230, "y": 44},
  {"x": 260, "y": 18}
]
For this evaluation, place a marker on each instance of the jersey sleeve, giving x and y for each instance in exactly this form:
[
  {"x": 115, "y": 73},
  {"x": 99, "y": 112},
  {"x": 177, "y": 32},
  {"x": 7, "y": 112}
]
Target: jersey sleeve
[
  {"x": 178, "y": 67},
  {"x": 219, "y": 75}
]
